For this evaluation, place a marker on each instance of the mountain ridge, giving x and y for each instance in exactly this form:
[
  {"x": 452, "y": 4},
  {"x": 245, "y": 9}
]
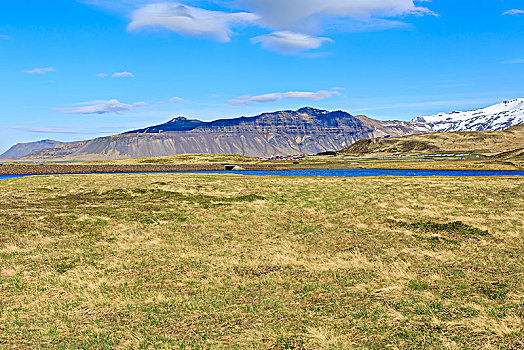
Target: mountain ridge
[{"x": 304, "y": 131}]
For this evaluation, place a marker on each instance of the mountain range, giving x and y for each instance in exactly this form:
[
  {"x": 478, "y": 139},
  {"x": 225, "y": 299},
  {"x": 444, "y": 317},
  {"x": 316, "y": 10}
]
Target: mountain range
[{"x": 304, "y": 131}]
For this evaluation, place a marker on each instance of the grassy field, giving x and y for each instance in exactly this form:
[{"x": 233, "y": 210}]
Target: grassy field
[
  {"x": 185, "y": 159},
  {"x": 332, "y": 162},
  {"x": 225, "y": 261},
  {"x": 510, "y": 161},
  {"x": 338, "y": 161},
  {"x": 432, "y": 164}
]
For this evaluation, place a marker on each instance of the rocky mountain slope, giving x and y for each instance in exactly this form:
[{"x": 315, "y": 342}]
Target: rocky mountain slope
[
  {"x": 23, "y": 149},
  {"x": 305, "y": 131},
  {"x": 497, "y": 117},
  {"x": 510, "y": 141}
]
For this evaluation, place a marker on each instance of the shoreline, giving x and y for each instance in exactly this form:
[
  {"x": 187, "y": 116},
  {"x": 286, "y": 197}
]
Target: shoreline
[
  {"x": 60, "y": 169},
  {"x": 69, "y": 169}
]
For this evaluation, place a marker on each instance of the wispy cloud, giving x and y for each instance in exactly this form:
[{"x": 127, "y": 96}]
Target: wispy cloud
[
  {"x": 515, "y": 61},
  {"x": 53, "y": 130},
  {"x": 513, "y": 12},
  {"x": 100, "y": 107},
  {"x": 4, "y": 37},
  {"x": 277, "y": 96},
  {"x": 116, "y": 75},
  {"x": 123, "y": 75},
  {"x": 39, "y": 71},
  {"x": 289, "y": 42},
  {"x": 177, "y": 99},
  {"x": 45, "y": 130}
]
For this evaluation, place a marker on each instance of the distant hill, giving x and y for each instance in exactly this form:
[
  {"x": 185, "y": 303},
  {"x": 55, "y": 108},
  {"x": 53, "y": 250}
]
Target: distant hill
[
  {"x": 23, "y": 149},
  {"x": 481, "y": 142},
  {"x": 304, "y": 131}
]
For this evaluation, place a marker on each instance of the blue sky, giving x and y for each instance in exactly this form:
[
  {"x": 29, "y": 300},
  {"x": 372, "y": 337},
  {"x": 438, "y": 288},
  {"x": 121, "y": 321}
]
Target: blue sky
[{"x": 71, "y": 70}]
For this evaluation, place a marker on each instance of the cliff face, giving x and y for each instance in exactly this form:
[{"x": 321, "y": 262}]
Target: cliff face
[{"x": 305, "y": 131}]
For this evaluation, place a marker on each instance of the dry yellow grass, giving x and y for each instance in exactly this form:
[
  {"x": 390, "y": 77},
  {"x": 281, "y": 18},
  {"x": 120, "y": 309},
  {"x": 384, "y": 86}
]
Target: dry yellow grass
[
  {"x": 484, "y": 142},
  {"x": 438, "y": 164},
  {"x": 217, "y": 261},
  {"x": 185, "y": 159}
]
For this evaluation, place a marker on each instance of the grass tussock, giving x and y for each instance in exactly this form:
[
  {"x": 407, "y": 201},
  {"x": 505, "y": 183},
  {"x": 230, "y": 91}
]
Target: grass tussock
[
  {"x": 456, "y": 227},
  {"x": 217, "y": 261}
]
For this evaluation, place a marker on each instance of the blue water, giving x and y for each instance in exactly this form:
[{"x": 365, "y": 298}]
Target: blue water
[
  {"x": 5, "y": 177},
  {"x": 368, "y": 172},
  {"x": 346, "y": 173}
]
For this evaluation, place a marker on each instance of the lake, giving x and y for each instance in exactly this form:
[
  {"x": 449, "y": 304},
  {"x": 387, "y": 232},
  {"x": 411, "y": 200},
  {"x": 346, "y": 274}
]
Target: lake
[{"x": 344, "y": 173}]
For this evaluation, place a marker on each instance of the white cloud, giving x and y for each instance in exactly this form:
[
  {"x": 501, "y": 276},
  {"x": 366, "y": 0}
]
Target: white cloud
[
  {"x": 296, "y": 25},
  {"x": 123, "y": 75},
  {"x": 289, "y": 42},
  {"x": 308, "y": 15},
  {"x": 189, "y": 21},
  {"x": 177, "y": 99},
  {"x": 40, "y": 70},
  {"x": 514, "y": 12},
  {"x": 100, "y": 107},
  {"x": 277, "y": 96},
  {"x": 4, "y": 37},
  {"x": 102, "y": 75},
  {"x": 515, "y": 61}
]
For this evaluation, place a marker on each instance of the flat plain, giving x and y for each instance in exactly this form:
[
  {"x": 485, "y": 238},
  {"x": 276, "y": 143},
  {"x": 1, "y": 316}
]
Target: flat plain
[{"x": 133, "y": 261}]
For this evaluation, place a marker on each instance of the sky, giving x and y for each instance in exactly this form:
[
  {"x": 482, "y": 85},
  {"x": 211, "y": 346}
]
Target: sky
[{"x": 80, "y": 69}]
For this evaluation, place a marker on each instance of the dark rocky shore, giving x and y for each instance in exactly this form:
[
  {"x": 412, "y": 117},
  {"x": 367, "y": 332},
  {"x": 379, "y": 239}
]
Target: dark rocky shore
[{"x": 43, "y": 169}]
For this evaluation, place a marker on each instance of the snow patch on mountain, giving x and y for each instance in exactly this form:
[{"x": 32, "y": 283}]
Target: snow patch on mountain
[{"x": 494, "y": 118}]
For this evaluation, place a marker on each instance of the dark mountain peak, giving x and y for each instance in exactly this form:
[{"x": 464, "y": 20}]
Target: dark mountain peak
[
  {"x": 323, "y": 114},
  {"x": 311, "y": 111},
  {"x": 180, "y": 124},
  {"x": 176, "y": 124},
  {"x": 178, "y": 119}
]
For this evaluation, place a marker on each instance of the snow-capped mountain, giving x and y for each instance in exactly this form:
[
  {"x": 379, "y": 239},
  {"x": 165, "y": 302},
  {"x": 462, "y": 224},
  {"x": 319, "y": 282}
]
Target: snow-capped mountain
[{"x": 497, "y": 117}]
